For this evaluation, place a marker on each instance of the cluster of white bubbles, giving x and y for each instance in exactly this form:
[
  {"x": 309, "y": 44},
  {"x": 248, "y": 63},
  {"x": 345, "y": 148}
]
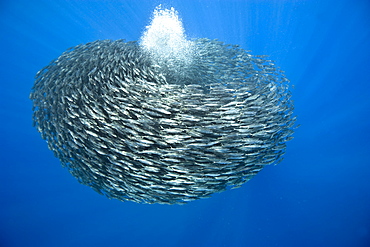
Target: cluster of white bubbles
[{"x": 165, "y": 40}]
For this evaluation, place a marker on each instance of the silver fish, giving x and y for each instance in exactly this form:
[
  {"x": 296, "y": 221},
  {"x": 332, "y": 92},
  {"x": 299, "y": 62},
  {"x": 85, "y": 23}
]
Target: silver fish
[{"x": 137, "y": 130}]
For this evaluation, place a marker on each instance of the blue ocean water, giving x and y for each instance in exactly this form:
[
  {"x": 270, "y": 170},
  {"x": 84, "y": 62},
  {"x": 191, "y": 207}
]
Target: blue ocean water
[{"x": 318, "y": 196}]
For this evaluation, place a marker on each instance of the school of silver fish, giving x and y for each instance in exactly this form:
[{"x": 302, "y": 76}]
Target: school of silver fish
[{"x": 139, "y": 131}]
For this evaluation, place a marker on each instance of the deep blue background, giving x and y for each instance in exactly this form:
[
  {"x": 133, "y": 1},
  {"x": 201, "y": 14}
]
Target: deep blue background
[{"x": 318, "y": 196}]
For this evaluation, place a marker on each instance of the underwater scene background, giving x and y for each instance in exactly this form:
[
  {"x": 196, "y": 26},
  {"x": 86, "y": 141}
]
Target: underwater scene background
[{"x": 317, "y": 196}]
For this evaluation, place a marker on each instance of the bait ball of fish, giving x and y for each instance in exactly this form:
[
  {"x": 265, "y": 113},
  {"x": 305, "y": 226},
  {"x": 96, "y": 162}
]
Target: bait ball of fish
[{"x": 136, "y": 130}]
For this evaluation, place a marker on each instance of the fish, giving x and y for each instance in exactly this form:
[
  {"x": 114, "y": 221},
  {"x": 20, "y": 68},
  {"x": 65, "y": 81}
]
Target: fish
[{"x": 134, "y": 129}]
